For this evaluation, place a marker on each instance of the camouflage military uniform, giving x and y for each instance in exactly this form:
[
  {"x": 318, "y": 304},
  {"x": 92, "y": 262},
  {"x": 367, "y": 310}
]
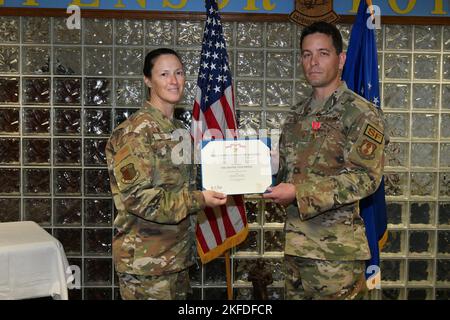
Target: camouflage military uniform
[
  {"x": 153, "y": 197},
  {"x": 171, "y": 286},
  {"x": 334, "y": 156}
]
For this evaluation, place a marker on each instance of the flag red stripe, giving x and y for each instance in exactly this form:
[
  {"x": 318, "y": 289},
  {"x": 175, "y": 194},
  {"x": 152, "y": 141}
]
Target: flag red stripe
[
  {"x": 233, "y": 101},
  {"x": 228, "y": 226},
  {"x": 231, "y": 124},
  {"x": 196, "y": 111},
  {"x": 201, "y": 239},
  {"x": 211, "y": 120},
  {"x": 213, "y": 224}
]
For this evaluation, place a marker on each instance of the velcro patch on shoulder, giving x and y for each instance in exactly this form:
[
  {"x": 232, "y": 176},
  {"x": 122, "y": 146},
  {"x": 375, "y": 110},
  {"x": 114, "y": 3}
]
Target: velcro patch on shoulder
[
  {"x": 366, "y": 149},
  {"x": 124, "y": 152},
  {"x": 374, "y": 134},
  {"x": 129, "y": 173},
  {"x": 126, "y": 168}
]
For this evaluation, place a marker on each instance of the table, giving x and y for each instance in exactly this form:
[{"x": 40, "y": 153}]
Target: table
[{"x": 32, "y": 263}]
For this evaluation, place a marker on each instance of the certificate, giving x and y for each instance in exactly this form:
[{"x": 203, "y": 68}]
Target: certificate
[{"x": 236, "y": 166}]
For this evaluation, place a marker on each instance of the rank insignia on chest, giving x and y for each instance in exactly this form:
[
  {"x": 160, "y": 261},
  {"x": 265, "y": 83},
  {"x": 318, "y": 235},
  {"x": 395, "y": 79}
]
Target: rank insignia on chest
[
  {"x": 367, "y": 149},
  {"x": 129, "y": 173}
]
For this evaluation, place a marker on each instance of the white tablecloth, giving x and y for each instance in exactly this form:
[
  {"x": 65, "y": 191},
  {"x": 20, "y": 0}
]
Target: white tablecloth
[{"x": 32, "y": 262}]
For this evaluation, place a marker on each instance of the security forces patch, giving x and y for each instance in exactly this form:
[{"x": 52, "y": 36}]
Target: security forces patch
[
  {"x": 367, "y": 149},
  {"x": 126, "y": 169},
  {"x": 374, "y": 134},
  {"x": 129, "y": 173}
]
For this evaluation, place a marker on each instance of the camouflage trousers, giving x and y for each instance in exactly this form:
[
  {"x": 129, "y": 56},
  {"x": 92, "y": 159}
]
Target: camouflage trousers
[
  {"x": 173, "y": 286},
  {"x": 310, "y": 279}
]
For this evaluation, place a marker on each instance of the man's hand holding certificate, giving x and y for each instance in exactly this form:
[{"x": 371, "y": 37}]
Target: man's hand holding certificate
[{"x": 236, "y": 166}]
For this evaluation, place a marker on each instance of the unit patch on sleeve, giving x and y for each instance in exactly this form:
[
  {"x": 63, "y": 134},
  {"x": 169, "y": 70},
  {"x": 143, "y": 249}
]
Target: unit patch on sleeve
[
  {"x": 129, "y": 173},
  {"x": 367, "y": 149},
  {"x": 126, "y": 168}
]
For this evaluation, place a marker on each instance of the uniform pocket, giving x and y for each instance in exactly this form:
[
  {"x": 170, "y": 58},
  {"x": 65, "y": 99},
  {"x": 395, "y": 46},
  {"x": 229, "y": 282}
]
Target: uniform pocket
[
  {"x": 330, "y": 145},
  {"x": 301, "y": 148},
  {"x": 310, "y": 145}
]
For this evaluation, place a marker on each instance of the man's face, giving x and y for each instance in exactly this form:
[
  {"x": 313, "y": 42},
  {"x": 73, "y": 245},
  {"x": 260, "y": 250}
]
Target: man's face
[{"x": 321, "y": 64}]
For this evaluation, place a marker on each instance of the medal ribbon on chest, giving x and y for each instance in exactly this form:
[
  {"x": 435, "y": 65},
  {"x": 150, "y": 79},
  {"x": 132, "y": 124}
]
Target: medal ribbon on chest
[{"x": 315, "y": 127}]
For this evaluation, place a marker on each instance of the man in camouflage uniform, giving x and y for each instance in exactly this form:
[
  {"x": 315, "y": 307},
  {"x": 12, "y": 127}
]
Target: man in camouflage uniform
[{"x": 331, "y": 156}]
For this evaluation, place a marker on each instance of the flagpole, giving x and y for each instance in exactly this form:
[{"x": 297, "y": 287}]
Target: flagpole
[
  {"x": 372, "y": 208},
  {"x": 370, "y": 4},
  {"x": 228, "y": 270}
]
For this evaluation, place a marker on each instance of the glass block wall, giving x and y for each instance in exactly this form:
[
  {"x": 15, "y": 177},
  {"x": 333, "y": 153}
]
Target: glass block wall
[
  {"x": 63, "y": 91},
  {"x": 416, "y": 99}
]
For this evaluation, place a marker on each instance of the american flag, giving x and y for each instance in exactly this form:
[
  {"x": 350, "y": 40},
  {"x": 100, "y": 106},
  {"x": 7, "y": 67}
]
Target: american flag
[{"x": 222, "y": 228}]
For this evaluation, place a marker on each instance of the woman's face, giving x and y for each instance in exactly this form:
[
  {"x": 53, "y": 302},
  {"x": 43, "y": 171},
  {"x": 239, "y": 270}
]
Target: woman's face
[{"x": 167, "y": 80}]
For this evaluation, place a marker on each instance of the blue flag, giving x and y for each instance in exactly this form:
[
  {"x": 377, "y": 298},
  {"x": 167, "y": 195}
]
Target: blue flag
[{"x": 361, "y": 75}]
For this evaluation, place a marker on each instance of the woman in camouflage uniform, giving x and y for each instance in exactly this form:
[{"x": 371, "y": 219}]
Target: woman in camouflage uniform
[{"x": 154, "y": 196}]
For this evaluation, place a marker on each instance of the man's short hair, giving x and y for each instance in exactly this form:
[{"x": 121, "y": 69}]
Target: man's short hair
[{"x": 325, "y": 28}]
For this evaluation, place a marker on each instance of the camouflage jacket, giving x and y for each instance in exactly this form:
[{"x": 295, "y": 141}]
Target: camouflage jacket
[
  {"x": 153, "y": 196},
  {"x": 332, "y": 166}
]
